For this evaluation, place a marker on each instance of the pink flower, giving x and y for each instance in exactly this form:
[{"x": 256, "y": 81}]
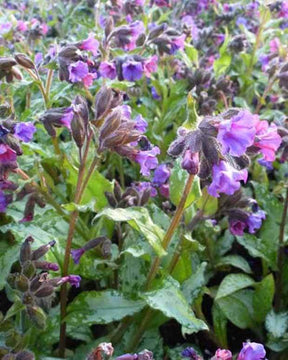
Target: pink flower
[
  {"x": 267, "y": 139},
  {"x": 90, "y": 44},
  {"x": 88, "y": 79},
  {"x": 22, "y": 26},
  {"x": 222, "y": 354},
  {"x": 150, "y": 65},
  {"x": 108, "y": 70},
  {"x": 274, "y": 45},
  {"x": 7, "y": 155}
]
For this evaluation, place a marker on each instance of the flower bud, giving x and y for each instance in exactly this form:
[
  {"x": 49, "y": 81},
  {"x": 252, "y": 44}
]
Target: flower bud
[
  {"x": 27, "y": 299},
  {"x": 21, "y": 283},
  {"x": 104, "y": 351},
  {"x": 13, "y": 143},
  {"x": 190, "y": 162},
  {"x": 145, "y": 355},
  {"x": 111, "y": 199},
  {"x": 6, "y": 63},
  {"x": 25, "y": 355},
  {"x": 45, "y": 265},
  {"x": 117, "y": 191},
  {"x": 156, "y": 31},
  {"x": 106, "y": 248},
  {"x": 103, "y": 101},
  {"x": 42, "y": 250},
  {"x": 28, "y": 269},
  {"x": 37, "y": 316},
  {"x": 11, "y": 278},
  {"x": 25, "y": 251},
  {"x": 24, "y": 61},
  {"x": 109, "y": 26},
  {"x": 5, "y": 110},
  {"x": 44, "y": 291},
  {"x": 78, "y": 131}
]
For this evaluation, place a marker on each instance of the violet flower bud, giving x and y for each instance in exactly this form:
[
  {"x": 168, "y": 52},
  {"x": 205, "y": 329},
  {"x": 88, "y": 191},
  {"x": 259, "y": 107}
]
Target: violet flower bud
[
  {"x": 44, "y": 265},
  {"x": 42, "y": 250},
  {"x": 190, "y": 162},
  {"x": 44, "y": 291}
]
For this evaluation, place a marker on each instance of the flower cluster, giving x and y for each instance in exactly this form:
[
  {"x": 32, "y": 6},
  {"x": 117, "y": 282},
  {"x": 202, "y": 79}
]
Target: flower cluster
[
  {"x": 36, "y": 288},
  {"x": 218, "y": 148}
]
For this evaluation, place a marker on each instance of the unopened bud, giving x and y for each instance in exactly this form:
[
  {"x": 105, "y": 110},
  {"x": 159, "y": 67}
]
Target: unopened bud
[
  {"x": 15, "y": 73},
  {"x": 45, "y": 265},
  {"x": 145, "y": 355},
  {"x": 6, "y": 63},
  {"x": 106, "y": 248},
  {"x": 11, "y": 280},
  {"x": 141, "y": 40},
  {"x": 25, "y": 355},
  {"x": 117, "y": 191},
  {"x": 42, "y": 250},
  {"x": 156, "y": 31},
  {"x": 104, "y": 351},
  {"x": 28, "y": 269},
  {"x": 44, "y": 291},
  {"x": 37, "y": 316},
  {"x": 21, "y": 283},
  {"x": 27, "y": 299},
  {"x": 13, "y": 143},
  {"x": 111, "y": 199},
  {"x": 5, "y": 110},
  {"x": 78, "y": 131},
  {"x": 109, "y": 26},
  {"x": 103, "y": 101},
  {"x": 190, "y": 162},
  {"x": 24, "y": 61},
  {"x": 25, "y": 251}
]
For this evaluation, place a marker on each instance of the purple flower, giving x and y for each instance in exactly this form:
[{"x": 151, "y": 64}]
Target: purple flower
[
  {"x": 237, "y": 133},
  {"x": 154, "y": 93},
  {"x": 67, "y": 117},
  {"x": 90, "y": 44},
  {"x": 88, "y": 79},
  {"x": 22, "y": 26},
  {"x": 274, "y": 45},
  {"x": 267, "y": 139},
  {"x": 108, "y": 70},
  {"x": 178, "y": 44},
  {"x": 190, "y": 162},
  {"x": 226, "y": 179},
  {"x": 25, "y": 131},
  {"x": 77, "y": 71},
  {"x": 237, "y": 227},
  {"x": 190, "y": 353},
  {"x": 147, "y": 160},
  {"x": 76, "y": 255},
  {"x": 4, "y": 200},
  {"x": 132, "y": 70},
  {"x": 265, "y": 163},
  {"x": 5, "y": 28},
  {"x": 255, "y": 221},
  {"x": 252, "y": 351},
  {"x": 140, "y": 124},
  {"x": 161, "y": 174},
  {"x": 74, "y": 280},
  {"x": 164, "y": 190},
  {"x": 222, "y": 354},
  {"x": 142, "y": 186},
  {"x": 241, "y": 21},
  {"x": 38, "y": 59},
  {"x": 7, "y": 155}
]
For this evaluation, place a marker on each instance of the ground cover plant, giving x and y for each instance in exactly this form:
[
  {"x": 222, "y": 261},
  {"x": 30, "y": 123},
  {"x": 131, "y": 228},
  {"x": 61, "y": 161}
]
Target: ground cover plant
[{"x": 143, "y": 180}]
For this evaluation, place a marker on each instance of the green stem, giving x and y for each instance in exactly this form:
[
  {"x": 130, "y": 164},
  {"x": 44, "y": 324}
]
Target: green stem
[
  {"x": 173, "y": 226},
  {"x": 49, "y": 82}
]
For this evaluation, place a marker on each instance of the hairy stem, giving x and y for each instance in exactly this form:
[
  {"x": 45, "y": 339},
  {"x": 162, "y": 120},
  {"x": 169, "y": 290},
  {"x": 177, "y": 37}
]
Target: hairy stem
[
  {"x": 281, "y": 256},
  {"x": 155, "y": 266},
  {"x": 174, "y": 224}
]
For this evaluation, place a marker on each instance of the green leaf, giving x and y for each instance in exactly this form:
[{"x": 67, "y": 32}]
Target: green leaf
[
  {"x": 277, "y": 323},
  {"x": 263, "y": 297},
  {"x": 232, "y": 283},
  {"x": 15, "y": 308},
  {"x": 238, "y": 308},
  {"x": 102, "y": 307},
  {"x": 178, "y": 180},
  {"x": 139, "y": 219},
  {"x": 236, "y": 261},
  {"x": 8, "y": 254},
  {"x": 192, "y": 53},
  {"x": 171, "y": 302},
  {"x": 193, "y": 286},
  {"x": 220, "y": 65},
  {"x": 220, "y": 325}
]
